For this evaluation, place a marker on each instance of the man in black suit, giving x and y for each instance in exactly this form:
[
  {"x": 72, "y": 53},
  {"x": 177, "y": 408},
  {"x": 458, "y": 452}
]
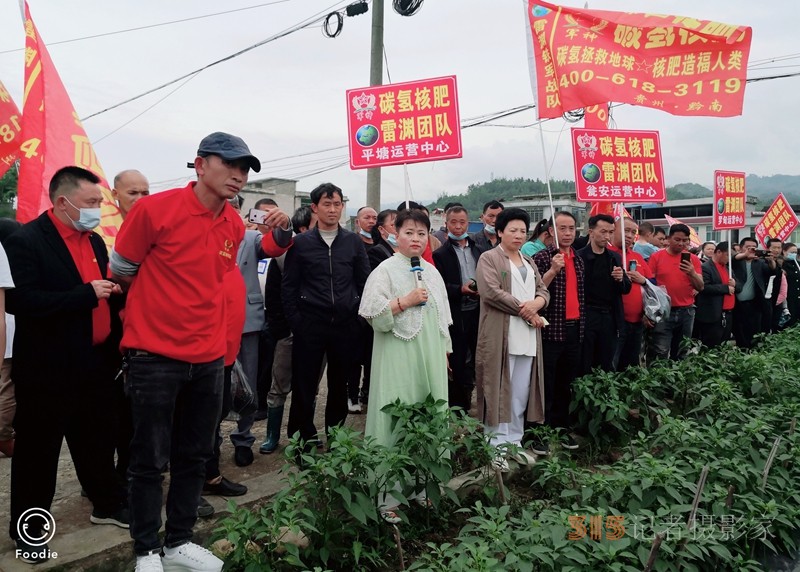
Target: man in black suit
[
  {"x": 713, "y": 318},
  {"x": 607, "y": 284},
  {"x": 65, "y": 309},
  {"x": 753, "y": 273},
  {"x": 456, "y": 261}
]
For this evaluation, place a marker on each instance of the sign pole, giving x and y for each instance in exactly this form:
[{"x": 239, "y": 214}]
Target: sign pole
[
  {"x": 407, "y": 184},
  {"x": 621, "y": 211},
  {"x": 731, "y": 253},
  {"x": 549, "y": 191},
  {"x": 375, "y": 78}
]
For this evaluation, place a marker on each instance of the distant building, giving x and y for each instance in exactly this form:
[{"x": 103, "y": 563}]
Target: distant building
[
  {"x": 538, "y": 207},
  {"x": 282, "y": 191}
]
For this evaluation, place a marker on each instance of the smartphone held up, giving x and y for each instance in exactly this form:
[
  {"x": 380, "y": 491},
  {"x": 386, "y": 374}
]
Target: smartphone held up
[{"x": 257, "y": 216}]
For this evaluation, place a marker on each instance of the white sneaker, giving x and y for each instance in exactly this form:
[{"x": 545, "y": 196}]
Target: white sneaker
[
  {"x": 501, "y": 463},
  {"x": 353, "y": 407},
  {"x": 191, "y": 558},
  {"x": 149, "y": 563}
]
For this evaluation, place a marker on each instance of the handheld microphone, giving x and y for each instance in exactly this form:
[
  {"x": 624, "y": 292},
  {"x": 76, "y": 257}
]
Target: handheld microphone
[{"x": 416, "y": 269}]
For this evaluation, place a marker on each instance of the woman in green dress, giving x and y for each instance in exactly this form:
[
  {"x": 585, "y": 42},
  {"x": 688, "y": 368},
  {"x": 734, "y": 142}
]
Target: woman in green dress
[{"x": 410, "y": 322}]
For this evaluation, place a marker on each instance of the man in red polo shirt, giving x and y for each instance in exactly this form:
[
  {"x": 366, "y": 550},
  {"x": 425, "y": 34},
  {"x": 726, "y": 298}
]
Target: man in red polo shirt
[
  {"x": 680, "y": 272},
  {"x": 632, "y": 331},
  {"x": 174, "y": 251}
]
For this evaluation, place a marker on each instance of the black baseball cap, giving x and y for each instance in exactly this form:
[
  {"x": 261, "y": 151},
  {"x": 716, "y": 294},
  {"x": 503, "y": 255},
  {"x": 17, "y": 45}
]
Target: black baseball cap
[{"x": 227, "y": 146}]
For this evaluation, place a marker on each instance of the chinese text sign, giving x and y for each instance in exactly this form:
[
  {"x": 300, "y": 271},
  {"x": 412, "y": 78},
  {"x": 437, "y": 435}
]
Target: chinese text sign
[
  {"x": 618, "y": 166},
  {"x": 729, "y": 195},
  {"x": 778, "y": 222},
  {"x": 680, "y": 65},
  {"x": 403, "y": 123}
]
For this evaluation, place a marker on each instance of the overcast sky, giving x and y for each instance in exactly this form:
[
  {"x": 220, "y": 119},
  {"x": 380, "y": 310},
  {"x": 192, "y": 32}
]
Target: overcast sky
[{"x": 288, "y": 97}]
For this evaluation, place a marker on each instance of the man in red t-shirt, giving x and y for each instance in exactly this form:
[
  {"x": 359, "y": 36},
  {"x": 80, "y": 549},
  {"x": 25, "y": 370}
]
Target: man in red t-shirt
[
  {"x": 714, "y": 317},
  {"x": 631, "y": 333},
  {"x": 679, "y": 272},
  {"x": 174, "y": 251}
]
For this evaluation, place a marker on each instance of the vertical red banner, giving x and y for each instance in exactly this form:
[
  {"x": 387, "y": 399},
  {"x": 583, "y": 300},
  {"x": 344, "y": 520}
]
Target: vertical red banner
[
  {"x": 10, "y": 126},
  {"x": 729, "y": 200},
  {"x": 53, "y": 137}
]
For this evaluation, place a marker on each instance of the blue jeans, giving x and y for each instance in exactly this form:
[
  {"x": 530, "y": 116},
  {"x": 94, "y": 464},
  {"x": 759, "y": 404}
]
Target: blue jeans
[
  {"x": 175, "y": 408},
  {"x": 666, "y": 336}
]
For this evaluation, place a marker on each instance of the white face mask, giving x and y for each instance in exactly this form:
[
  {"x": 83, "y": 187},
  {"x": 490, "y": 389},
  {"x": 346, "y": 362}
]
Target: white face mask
[
  {"x": 88, "y": 218},
  {"x": 489, "y": 228},
  {"x": 392, "y": 239}
]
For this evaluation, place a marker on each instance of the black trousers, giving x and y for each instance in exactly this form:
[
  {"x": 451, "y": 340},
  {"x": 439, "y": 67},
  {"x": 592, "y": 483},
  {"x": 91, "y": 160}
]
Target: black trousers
[
  {"x": 599, "y": 340},
  {"x": 364, "y": 358},
  {"x": 212, "y": 465},
  {"x": 747, "y": 321},
  {"x": 317, "y": 339},
  {"x": 715, "y": 333},
  {"x": 80, "y": 408},
  {"x": 266, "y": 353},
  {"x": 629, "y": 345},
  {"x": 562, "y": 364},
  {"x": 462, "y": 360}
]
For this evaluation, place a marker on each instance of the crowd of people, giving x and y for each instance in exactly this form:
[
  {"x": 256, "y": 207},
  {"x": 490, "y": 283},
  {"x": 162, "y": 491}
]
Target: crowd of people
[{"x": 142, "y": 340}]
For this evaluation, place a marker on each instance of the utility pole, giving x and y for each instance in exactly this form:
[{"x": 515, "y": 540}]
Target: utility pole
[{"x": 375, "y": 78}]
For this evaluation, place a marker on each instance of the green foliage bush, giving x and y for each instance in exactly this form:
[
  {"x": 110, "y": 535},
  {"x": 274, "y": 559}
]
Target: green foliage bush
[
  {"x": 726, "y": 411},
  {"x": 650, "y": 434}
]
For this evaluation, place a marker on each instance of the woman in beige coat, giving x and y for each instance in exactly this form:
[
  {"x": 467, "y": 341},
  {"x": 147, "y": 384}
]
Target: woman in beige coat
[{"x": 508, "y": 361}]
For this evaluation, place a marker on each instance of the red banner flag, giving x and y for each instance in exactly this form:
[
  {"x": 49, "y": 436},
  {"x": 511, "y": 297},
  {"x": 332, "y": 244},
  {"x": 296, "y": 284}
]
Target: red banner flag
[
  {"x": 602, "y": 208},
  {"x": 10, "y": 122},
  {"x": 620, "y": 211},
  {"x": 53, "y": 137},
  {"x": 694, "y": 238},
  {"x": 778, "y": 222},
  {"x": 596, "y": 116},
  {"x": 680, "y": 65},
  {"x": 729, "y": 200},
  {"x": 403, "y": 123}
]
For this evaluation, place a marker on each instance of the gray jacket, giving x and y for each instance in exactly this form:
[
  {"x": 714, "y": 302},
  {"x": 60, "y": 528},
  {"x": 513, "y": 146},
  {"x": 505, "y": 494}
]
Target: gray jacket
[{"x": 248, "y": 257}]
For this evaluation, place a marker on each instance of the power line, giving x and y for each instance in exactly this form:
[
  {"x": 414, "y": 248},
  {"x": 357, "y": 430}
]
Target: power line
[
  {"x": 769, "y": 77},
  {"x": 305, "y": 154},
  {"x": 754, "y": 63},
  {"x": 135, "y": 117},
  {"x": 304, "y": 24},
  {"x": 479, "y": 120},
  {"x": 147, "y": 27}
]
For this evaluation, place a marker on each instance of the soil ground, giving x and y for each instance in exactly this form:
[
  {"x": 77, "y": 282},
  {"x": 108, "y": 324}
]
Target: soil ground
[{"x": 83, "y": 546}]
